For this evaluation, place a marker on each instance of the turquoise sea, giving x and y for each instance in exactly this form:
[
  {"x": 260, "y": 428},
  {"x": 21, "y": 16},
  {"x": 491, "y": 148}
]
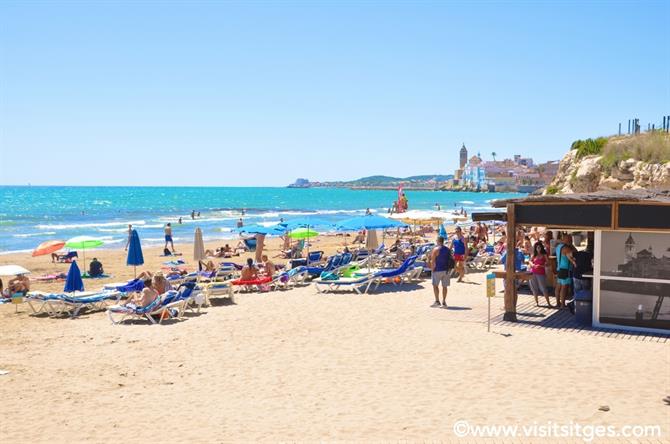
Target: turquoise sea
[{"x": 30, "y": 215}]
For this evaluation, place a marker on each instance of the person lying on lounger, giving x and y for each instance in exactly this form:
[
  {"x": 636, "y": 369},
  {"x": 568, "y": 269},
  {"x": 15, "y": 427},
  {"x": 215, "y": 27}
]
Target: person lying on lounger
[
  {"x": 208, "y": 266},
  {"x": 249, "y": 272},
  {"x": 146, "y": 297},
  {"x": 160, "y": 284}
]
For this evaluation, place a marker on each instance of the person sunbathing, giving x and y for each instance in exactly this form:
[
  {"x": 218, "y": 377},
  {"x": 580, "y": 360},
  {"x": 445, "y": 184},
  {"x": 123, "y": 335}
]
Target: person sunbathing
[
  {"x": 208, "y": 266},
  {"x": 20, "y": 284},
  {"x": 146, "y": 297},
  {"x": 268, "y": 267},
  {"x": 360, "y": 238},
  {"x": 146, "y": 274},
  {"x": 160, "y": 284},
  {"x": 249, "y": 271}
]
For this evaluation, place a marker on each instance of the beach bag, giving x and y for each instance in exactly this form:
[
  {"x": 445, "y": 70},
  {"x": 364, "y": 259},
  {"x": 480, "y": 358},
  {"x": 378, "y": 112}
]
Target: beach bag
[{"x": 450, "y": 260}]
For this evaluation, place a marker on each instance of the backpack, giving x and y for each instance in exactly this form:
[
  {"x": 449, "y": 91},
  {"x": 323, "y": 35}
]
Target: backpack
[{"x": 450, "y": 260}]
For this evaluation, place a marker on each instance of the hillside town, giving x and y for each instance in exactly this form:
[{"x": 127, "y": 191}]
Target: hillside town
[{"x": 473, "y": 174}]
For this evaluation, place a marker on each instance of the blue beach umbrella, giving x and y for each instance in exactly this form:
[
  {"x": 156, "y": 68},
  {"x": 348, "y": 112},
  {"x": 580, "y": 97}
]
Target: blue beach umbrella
[
  {"x": 135, "y": 256},
  {"x": 443, "y": 232},
  {"x": 370, "y": 222},
  {"x": 305, "y": 222},
  {"x": 73, "y": 282},
  {"x": 272, "y": 230}
]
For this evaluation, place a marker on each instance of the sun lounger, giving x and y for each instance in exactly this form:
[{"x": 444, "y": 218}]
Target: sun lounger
[
  {"x": 133, "y": 312},
  {"x": 405, "y": 272},
  {"x": 57, "y": 304},
  {"x": 73, "y": 304},
  {"x": 68, "y": 257},
  {"x": 214, "y": 289},
  {"x": 360, "y": 285},
  {"x": 170, "y": 304}
]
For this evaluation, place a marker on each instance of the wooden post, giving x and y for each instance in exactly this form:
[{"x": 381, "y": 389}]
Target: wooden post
[{"x": 510, "y": 269}]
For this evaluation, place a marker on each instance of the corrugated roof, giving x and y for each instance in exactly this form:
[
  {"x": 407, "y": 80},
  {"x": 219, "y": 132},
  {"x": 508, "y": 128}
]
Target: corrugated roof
[{"x": 656, "y": 196}]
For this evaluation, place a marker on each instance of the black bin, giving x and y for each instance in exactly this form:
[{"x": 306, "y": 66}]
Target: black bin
[{"x": 584, "y": 307}]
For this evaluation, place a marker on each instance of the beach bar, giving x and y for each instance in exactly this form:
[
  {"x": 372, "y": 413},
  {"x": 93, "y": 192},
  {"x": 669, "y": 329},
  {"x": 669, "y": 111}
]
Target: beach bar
[{"x": 631, "y": 267}]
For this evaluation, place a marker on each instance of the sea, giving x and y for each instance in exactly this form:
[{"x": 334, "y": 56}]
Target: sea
[{"x": 30, "y": 215}]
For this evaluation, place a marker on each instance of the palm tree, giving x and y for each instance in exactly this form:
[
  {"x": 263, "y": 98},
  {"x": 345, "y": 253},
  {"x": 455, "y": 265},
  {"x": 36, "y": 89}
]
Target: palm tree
[{"x": 493, "y": 154}]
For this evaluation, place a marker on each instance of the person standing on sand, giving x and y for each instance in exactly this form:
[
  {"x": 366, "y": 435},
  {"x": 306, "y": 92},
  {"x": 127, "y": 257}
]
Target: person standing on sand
[
  {"x": 168, "y": 236},
  {"x": 130, "y": 234},
  {"x": 458, "y": 245},
  {"x": 440, "y": 264}
]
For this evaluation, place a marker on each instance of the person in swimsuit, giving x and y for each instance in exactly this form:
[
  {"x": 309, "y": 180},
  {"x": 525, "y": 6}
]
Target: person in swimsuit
[
  {"x": 249, "y": 272},
  {"x": 458, "y": 245},
  {"x": 565, "y": 261},
  {"x": 538, "y": 281},
  {"x": 130, "y": 234},
  {"x": 439, "y": 262},
  {"x": 168, "y": 236}
]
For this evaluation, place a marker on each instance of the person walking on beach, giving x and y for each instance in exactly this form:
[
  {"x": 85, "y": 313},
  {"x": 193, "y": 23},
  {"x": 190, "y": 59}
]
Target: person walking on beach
[
  {"x": 130, "y": 233},
  {"x": 168, "y": 236},
  {"x": 458, "y": 245},
  {"x": 441, "y": 262}
]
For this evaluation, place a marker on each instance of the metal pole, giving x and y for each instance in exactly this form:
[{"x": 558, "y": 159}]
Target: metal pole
[{"x": 488, "y": 325}]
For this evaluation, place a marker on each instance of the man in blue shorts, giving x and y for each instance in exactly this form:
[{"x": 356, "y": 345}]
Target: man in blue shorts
[
  {"x": 440, "y": 262},
  {"x": 168, "y": 236}
]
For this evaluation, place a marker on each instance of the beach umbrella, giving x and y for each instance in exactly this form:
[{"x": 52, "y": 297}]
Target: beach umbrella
[
  {"x": 12, "y": 270},
  {"x": 48, "y": 247},
  {"x": 442, "y": 232},
  {"x": 371, "y": 222},
  {"x": 73, "y": 281},
  {"x": 135, "y": 256},
  {"x": 305, "y": 221},
  {"x": 82, "y": 243},
  {"x": 198, "y": 247},
  {"x": 302, "y": 233},
  {"x": 273, "y": 230}
]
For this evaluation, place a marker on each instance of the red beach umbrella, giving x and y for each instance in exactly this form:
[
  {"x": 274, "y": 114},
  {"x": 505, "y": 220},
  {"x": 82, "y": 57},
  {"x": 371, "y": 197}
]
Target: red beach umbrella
[{"x": 48, "y": 247}]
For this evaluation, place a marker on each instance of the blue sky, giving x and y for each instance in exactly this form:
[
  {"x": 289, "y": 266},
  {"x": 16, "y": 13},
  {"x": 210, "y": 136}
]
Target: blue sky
[{"x": 259, "y": 93}]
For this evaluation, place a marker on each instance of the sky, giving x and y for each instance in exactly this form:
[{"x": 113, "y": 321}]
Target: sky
[{"x": 261, "y": 92}]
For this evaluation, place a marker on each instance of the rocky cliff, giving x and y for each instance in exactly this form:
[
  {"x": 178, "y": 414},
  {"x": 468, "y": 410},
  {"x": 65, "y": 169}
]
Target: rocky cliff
[{"x": 625, "y": 163}]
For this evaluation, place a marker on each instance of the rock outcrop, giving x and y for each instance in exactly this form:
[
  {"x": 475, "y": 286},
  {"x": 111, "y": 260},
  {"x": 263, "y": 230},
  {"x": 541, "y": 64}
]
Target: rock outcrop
[{"x": 587, "y": 174}]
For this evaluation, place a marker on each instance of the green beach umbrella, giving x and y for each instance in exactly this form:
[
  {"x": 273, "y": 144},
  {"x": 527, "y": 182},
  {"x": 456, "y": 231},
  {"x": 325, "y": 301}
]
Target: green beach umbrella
[
  {"x": 302, "y": 233},
  {"x": 82, "y": 243}
]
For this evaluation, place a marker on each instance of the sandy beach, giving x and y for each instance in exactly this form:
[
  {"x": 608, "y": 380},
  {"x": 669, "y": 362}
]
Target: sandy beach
[{"x": 297, "y": 365}]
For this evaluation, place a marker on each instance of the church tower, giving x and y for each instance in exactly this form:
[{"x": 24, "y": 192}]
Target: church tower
[
  {"x": 463, "y": 156},
  {"x": 630, "y": 248}
]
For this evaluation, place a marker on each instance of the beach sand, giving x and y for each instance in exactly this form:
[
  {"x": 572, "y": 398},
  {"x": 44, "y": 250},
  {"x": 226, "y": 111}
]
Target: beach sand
[{"x": 297, "y": 365}]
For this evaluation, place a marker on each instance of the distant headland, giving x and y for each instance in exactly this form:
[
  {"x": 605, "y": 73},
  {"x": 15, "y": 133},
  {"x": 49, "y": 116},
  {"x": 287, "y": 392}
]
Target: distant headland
[{"x": 520, "y": 174}]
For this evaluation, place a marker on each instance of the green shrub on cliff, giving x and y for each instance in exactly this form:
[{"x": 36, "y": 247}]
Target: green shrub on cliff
[{"x": 589, "y": 146}]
